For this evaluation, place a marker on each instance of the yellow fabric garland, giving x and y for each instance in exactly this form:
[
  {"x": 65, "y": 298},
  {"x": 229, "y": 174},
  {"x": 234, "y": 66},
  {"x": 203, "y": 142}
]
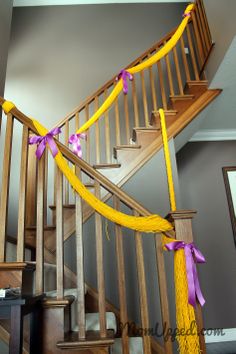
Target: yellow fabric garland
[
  {"x": 146, "y": 64},
  {"x": 185, "y": 315}
]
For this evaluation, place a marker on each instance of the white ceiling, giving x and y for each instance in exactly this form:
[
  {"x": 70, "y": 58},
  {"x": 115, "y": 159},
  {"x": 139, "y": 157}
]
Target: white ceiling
[{"x": 18, "y": 3}]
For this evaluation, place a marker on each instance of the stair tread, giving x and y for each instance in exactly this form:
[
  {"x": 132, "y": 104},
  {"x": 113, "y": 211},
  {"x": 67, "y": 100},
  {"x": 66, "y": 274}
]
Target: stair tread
[
  {"x": 46, "y": 228},
  {"x": 93, "y": 324},
  {"x": 197, "y": 82},
  {"x": 93, "y": 338},
  {"x": 182, "y": 97},
  {"x": 131, "y": 146},
  {"x": 146, "y": 128},
  {"x": 167, "y": 112},
  {"x": 66, "y": 206},
  {"x": 106, "y": 165}
]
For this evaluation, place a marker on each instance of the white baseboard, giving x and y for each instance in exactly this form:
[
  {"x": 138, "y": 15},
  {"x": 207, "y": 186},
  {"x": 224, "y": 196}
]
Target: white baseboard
[
  {"x": 229, "y": 335},
  {"x": 214, "y": 135}
]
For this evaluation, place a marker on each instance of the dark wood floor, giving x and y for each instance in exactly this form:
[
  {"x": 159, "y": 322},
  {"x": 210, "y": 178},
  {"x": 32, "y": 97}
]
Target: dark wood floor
[{"x": 221, "y": 348}]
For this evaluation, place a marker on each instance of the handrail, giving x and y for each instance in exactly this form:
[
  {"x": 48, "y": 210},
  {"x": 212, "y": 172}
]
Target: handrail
[
  {"x": 84, "y": 166},
  {"x": 109, "y": 83}
]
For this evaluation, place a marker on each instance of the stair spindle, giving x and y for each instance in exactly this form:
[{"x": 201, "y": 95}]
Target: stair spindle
[
  {"x": 59, "y": 235},
  {"x": 39, "y": 286},
  {"x": 87, "y": 135},
  {"x": 184, "y": 57},
  {"x": 201, "y": 29},
  {"x": 192, "y": 54},
  {"x": 135, "y": 102},
  {"x": 5, "y": 185},
  {"x": 177, "y": 68},
  {"x": 97, "y": 133},
  {"x": 107, "y": 132},
  {"x": 117, "y": 118},
  {"x": 127, "y": 121},
  {"x": 198, "y": 41},
  {"x": 100, "y": 268},
  {"x": 66, "y": 183},
  {"x": 153, "y": 89},
  {"x": 22, "y": 195},
  {"x": 163, "y": 291},
  {"x": 142, "y": 290},
  {"x": 203, "y": 14},
  {"x": 144, "y": 97},
  {"x": 80, "y": 262},
  {"x": 121, "y": 282},
  {"x": 169, "y": 74},
  {"x": 162, "y": 85}
]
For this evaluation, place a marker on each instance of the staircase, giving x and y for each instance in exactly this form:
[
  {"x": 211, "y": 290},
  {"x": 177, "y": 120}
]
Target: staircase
[{"x": 49, "y": 212}]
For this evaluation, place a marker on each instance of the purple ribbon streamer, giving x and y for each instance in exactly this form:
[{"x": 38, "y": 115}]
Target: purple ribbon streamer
[
  {"x": 41, "y": 141},
  {"x": 124, "y": 75},
  {"x": 192, "y": 256},
  {"x": 76, "y": 145}
]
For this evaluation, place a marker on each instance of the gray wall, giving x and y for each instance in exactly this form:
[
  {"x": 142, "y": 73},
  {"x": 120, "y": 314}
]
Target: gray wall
[
  {"x": 61, "y": 54},
  {"x": 221, "y": 18},
  {"x": 202, "y": 188},
  {"x": 5, "y": 26}
]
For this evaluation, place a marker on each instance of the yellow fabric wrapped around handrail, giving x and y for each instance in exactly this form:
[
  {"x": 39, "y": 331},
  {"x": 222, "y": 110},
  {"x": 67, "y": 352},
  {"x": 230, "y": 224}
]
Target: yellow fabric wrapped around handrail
[{"x": 146, "y": 64}]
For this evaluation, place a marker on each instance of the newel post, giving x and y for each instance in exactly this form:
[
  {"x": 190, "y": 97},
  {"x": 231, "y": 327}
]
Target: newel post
[{"x": 182, "y": 220}]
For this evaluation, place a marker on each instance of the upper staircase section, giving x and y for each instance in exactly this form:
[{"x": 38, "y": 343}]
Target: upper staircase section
[{"x": 162, "y": 85}]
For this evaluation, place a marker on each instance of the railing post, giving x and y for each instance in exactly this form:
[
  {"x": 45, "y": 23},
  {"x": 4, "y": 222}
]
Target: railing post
[{"x": 183, "y": 231}]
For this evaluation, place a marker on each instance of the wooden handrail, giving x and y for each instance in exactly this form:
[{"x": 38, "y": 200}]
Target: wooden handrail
[{"x": 85, "y": 167}]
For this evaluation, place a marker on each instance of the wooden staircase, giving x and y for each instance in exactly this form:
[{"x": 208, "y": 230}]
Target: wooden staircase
[{"x": 116, "y": 147}]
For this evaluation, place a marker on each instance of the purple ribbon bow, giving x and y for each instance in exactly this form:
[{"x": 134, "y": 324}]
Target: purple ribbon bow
[
  {"x": 41, "y": 141},
  {"x": 188, "y": 14},
  {"x": 124, "y": 75},
  {"x": 76, "y": 145},
  {"x": 193, "y": 256}
]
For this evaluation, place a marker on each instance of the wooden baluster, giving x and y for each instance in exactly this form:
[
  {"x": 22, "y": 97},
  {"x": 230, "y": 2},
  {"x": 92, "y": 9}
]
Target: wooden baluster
[
  {"x": 193, "y": 59},
  {"x": 39, "y": 283},
  {"x": 80, "y": 262},
  {"x": 107, "y": 132},
  {"x": 121, "y": 282},
  {"x": 186, "y": 68},
  {"x": 88, "y": 135},
  {"x": 198, "y": 41},
  {"x": 77, "y": 122},
  {"x": 22, "y": 195},
  {"x": 169, "y": 74},
  {"x": 46, "y": 187},
  {"x": 31, "y": 195},
  {"x": 145, "y": 104},
  {"x": 66, "y": 184},
  {"x": 153, "y": 89},
  {"x": 183, "y": 232},
  {"x": 97, "y": 133},
  {"x": 162, "y": 85},
  {"x": 201, "y": 31},
  {"x": 179, "y": 78},
  {"x": 165, "y": 315},
  {"x": 135, "y": 103},
  {"x": 201, "y": 5},
  {"x": 127, "y": 122},
  {"x": 203, "y": 26},
  {"x": 5, "y": 185},
  {"x": 100, "y": 267},
  {"x": 117, "y": 117},
  {"x": 59, "y": 235},
  {"x": 142, "y": 289}
]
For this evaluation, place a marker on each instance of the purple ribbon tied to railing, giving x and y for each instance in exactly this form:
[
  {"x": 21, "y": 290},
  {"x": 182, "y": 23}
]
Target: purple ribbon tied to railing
[
  {"x": 76, "y": 145},
  {"x": 188, "y": 14},
  {"x": 124, "y": 75},
  {"x": 192, "y": 256},
  {"x": 41, "y": 141}
]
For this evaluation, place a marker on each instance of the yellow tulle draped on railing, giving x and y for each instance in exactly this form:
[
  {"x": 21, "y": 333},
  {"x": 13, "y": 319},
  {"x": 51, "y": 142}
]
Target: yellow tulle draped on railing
[{"x": 146, "y": 64}]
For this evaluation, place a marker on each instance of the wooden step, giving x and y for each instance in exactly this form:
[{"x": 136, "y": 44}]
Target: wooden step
[
  {"x": 93, "y": 341},
  {"x": 46, "y": 228},
  {"x": 125, "y": 147},
  {"x": 66, "y": 206},
  {"x": 140, "y": 130},
  {"x": 197, "y": 83},
  {"x": 181, "y": 97},
  {"x": 106, "y": 165},
  {"x": 155, "y": 117}
]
